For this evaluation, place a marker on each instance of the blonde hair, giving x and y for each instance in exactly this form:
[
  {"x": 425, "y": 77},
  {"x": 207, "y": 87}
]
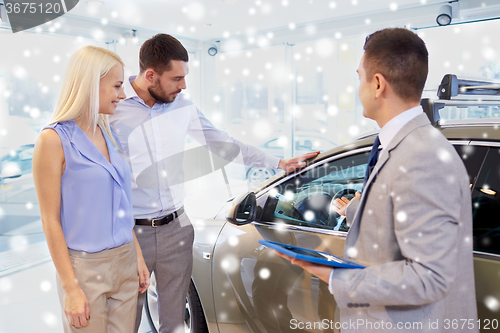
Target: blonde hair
[{"x": 80, "y": 93}]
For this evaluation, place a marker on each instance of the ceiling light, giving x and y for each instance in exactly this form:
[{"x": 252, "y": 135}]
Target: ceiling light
[
  {"x": 130, "y": 36},
  {"x": 135, "y": 39},
  {"x": 94, "y": 3},
  {"x": 212, "y": 50},
  {"x": 444, "y": 15}
]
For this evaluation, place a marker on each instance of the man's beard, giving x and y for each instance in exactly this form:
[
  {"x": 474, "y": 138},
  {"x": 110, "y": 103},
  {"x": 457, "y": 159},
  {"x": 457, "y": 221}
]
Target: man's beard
[{"x": 159, "y": 95}]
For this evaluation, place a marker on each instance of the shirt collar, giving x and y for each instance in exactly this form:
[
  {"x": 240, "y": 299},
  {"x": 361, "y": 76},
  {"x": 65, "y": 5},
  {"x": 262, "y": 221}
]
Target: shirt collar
[
  {"x": 393, "y": 126},
  {"x": 128, "y": 89}
]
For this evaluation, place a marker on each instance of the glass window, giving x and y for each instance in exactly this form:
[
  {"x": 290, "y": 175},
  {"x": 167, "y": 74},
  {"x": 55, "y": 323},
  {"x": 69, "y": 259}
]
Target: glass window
[
  {"x": 476, "y": 111},
  {"x": 305, "y": 200},
  {"x": 467, "y": 50},
  {"x": 31, "y": 75},
  {"x": 326, "y": 103},
  {"x": 249, "y": 91},
  {"x": 486, "y": 205},
  {"x": 473, "y": 157}
]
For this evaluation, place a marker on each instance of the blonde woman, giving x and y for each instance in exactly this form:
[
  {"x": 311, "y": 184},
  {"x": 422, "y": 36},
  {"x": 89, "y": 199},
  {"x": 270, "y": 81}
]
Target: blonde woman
[{"x": 82, "y": 181}]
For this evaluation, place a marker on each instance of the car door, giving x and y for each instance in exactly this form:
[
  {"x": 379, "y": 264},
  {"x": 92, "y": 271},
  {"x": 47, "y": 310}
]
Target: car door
[
  {"x": 486, "y": 234},
  {"x": 255, "y": 290}
]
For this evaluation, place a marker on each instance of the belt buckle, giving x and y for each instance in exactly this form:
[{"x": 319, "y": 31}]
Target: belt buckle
[{"x": 153, "y": 222}]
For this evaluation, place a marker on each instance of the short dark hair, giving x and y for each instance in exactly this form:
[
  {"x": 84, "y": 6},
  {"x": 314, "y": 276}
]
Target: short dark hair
[
  {"x": 157, "y": 52},
  {"x": 401, "y": 57}
]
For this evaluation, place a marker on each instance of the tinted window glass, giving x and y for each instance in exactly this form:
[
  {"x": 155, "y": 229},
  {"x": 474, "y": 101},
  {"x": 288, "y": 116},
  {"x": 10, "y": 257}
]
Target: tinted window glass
[
  {"x": 472, "y": 157},
  {"x": 486, "y": 205},
  {"x": 305, "y": 199}
]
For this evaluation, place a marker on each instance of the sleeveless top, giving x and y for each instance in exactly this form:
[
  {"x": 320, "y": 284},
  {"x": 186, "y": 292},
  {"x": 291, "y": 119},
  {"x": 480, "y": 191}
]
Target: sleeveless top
[{"x": 96, "y": 196}]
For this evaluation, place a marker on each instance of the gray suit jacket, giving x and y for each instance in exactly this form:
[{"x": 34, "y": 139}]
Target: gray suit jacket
[{"x": 412, "y": 227}]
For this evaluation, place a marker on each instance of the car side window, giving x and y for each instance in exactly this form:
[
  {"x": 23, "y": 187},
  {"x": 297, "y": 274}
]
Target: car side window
[
  {"x": 486, "y": 205},
  {"x": 305, "y": 199},
  {"x": 473, "y": 157}
]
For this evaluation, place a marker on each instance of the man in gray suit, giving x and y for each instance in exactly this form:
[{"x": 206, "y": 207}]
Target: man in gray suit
[{"x": 412, "y": 225}]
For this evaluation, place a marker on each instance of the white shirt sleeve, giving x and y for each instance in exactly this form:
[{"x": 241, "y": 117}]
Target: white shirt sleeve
[{"x": 330, "y": 282}]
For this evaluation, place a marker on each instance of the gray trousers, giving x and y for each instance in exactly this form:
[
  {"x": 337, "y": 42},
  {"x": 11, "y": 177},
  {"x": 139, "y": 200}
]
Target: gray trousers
[{"x": 168, "y": 252}]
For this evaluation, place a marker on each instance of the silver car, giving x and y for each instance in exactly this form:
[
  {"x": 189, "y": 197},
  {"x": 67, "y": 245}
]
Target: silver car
[{"x": 239, "y": 285}]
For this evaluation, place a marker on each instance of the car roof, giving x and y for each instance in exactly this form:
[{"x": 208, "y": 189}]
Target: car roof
[{"x": 473, "y": 129}]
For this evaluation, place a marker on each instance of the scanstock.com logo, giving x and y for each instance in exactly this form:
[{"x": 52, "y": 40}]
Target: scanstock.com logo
[{"x": 27, "y": 14}]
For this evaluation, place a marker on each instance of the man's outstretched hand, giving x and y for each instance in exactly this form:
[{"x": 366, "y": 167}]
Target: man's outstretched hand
[
  {"x": 293, "y": 163},
  {"x": 340, "y": 204}
]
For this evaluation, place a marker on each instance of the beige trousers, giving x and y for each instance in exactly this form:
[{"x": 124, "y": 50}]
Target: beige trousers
[{"x": 109, "y": 280}]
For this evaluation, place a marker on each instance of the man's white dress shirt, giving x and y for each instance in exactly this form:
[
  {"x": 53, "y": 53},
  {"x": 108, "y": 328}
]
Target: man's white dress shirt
[{"x": 154, "y": 138}]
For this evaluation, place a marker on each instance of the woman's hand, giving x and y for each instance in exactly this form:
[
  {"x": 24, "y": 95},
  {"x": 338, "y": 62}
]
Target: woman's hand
[
  {"x": 142, "y": 268},
  {"x": 76, "y": 307},
  {"x": 143, "y": 272}
]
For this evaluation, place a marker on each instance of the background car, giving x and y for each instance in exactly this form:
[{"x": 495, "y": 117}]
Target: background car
[
  {"x": 239, "y": 285},
  {"x": 16, "y": 180},
  {"x": 17, "y": 162}
]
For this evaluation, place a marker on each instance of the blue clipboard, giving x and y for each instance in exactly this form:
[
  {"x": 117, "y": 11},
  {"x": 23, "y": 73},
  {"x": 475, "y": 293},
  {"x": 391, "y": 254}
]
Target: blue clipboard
[{"x": 313, "y": 256}]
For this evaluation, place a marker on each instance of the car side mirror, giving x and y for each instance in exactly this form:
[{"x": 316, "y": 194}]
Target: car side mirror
[{"x": 244, "y": 209}]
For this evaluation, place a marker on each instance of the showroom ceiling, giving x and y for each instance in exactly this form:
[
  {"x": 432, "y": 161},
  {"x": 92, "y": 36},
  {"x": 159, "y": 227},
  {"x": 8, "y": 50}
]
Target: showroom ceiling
[
  {"x": 270, "y": 21},
  {"x": 212, "y": 19}
]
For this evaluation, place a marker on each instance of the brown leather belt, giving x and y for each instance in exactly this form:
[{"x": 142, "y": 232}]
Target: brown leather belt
[{"x": 156, "y": 222}]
